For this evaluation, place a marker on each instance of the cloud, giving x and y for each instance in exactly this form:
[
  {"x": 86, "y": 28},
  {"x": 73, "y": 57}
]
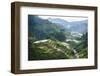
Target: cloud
[{"x": 67, "y": 18}]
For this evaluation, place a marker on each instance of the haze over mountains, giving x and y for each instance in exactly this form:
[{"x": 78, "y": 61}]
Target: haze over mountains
[{"x": 75, "y": 26}]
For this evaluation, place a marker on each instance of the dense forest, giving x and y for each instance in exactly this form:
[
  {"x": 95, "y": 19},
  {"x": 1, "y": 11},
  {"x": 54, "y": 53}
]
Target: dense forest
[{"x": 52, "y": 39}]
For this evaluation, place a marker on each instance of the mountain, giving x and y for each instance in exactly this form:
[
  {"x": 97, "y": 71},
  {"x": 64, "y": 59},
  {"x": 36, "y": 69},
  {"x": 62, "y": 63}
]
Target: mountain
[
  {"x": 60, "y": 22},
  {"x": 79, "y": 26},
  {"x": 75, "y": 26},
  {"x": 42, "y": 29}
]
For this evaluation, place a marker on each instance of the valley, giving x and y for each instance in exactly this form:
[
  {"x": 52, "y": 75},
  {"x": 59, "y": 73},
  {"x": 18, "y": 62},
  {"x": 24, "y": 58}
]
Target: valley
[{"x": 56, "y": 39}]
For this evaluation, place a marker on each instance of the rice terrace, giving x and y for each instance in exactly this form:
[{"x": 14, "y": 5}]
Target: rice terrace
[{"x": 57, "y": 37}]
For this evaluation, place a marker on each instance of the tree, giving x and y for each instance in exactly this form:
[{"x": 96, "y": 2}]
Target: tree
[{"x": 60, "y": 36}]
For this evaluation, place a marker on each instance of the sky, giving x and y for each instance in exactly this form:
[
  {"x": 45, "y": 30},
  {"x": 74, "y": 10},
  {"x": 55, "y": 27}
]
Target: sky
[{"x": 69, "y": 19}]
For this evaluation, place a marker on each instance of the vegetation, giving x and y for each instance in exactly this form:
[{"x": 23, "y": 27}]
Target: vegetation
[{"x": 47, "y": 40}]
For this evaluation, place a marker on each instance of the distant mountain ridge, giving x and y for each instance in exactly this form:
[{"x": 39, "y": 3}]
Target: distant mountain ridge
[
  {"x": 59, "y": 21},
  {"x": 75, "y": 26},
  {"x": 45, "y": 28}
]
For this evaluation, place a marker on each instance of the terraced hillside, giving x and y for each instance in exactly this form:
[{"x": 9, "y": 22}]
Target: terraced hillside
[{"x": 47, "y": 40}]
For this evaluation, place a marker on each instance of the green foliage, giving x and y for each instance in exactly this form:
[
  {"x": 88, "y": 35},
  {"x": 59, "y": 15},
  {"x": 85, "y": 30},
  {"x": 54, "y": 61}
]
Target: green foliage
[
  {"x": 42, "y": 29},
  {"x": 49, "y": 50},
  {"x": 56, "y": 46},
  {"x": 82, "y": 47},
  {"x": 83, "y": 53}
]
